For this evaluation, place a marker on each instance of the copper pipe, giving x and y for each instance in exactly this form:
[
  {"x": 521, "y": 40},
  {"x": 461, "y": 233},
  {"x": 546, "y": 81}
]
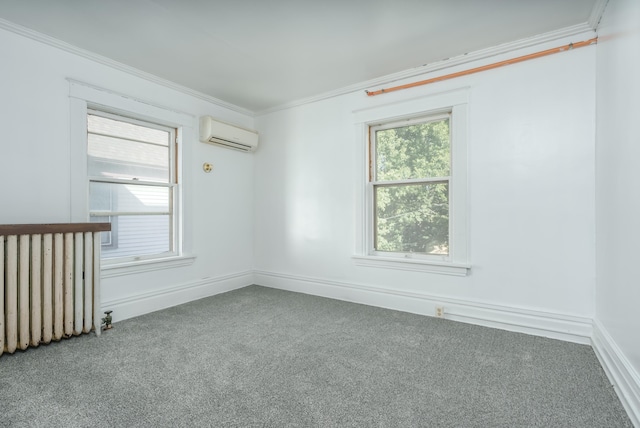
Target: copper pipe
[{"x": 487, "y": 67}]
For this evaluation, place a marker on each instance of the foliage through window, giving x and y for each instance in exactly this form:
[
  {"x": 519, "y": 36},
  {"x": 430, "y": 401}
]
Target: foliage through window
[
  {"x": 133, "y": 185},
  {"x": 410, "y": 174}
]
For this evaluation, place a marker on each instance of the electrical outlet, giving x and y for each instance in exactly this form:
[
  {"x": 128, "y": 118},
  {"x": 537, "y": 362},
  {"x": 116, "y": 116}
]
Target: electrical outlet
[{"x": 440, "y": 311}]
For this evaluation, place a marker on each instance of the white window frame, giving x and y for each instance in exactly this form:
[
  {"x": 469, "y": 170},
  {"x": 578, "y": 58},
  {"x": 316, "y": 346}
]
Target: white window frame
[
  {"x": 173, "y": 185},
  {"x": 457, "y": 261},
  {"x": 373, "y": 182},
  {"x": 84, "y": 98}
]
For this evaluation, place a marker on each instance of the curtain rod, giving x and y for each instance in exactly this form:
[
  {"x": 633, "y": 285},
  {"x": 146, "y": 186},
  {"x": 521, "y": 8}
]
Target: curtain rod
[{"x": 486, "y": 67}]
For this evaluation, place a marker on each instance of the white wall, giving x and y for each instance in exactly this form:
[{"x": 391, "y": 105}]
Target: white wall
[
  {"x": 35, "y": 169},
  {"x": 531, "y": 174},
  {"x": 531, "y": 183},
  {"x": 537, "y": 169},
  {"x": 618, "y": 190}
]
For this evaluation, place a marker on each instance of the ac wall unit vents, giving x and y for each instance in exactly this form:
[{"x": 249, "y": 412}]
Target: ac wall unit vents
[{"x": 226, "y": 135}]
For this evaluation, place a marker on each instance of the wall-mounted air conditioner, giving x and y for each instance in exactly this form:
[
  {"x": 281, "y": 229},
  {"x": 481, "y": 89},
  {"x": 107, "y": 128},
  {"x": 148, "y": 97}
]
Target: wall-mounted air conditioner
[{"x": 226, "y": 135}]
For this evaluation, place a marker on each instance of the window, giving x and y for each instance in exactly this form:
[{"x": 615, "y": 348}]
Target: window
[
  {"x": 131, "y": 175},
  {"x": 132, "y": 178},
  {"x": 413, "y": 200},
  {"x": 409, "y": 174}
]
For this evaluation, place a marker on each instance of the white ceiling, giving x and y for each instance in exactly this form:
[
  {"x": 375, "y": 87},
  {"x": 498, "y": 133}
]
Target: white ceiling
[{"x": 260, "y": 54}]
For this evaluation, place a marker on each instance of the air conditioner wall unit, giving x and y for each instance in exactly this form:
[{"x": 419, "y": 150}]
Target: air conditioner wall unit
[{"x": 223, "y": 134}]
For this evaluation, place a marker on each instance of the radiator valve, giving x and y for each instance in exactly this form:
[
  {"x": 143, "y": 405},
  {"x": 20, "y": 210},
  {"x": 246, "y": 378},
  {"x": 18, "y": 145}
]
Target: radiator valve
[{"x": 106, "y": 321}]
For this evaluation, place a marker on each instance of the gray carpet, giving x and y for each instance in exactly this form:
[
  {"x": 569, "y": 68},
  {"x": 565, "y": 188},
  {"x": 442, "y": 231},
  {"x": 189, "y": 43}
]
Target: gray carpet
[{"x": 259, "y": 357}]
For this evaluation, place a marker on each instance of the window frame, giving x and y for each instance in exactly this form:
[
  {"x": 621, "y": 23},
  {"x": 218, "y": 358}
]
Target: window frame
[
  {"x": 457, "y": 261},
  {"x": 84, "y": 97},
  {"x": 172, "y": 185},
  {"x": 374, "y": 182}
]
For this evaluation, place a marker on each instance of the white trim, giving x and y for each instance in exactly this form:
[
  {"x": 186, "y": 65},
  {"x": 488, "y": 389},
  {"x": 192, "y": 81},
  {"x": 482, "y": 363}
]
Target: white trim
[
  {"x": 538, "y": 323},
  {"x": 583, "y": 30},
  {"x": 140, "y": 266},
  {"x": 574, "y": 30},
  {"x": 416, "y": 265},
  {"x": 83, "y": 96},
  {"x": 413, "y": 106},
  {"x": 455, "y": 103},
  {"x": 59, "y": 44},
  {"x": 144, "y": 303},
  {"x": 596, "y": 13},
  {"x": 78, "y": 172},
  {"x": 625, "y": 379},
  {"x": 107, "y": 99}
]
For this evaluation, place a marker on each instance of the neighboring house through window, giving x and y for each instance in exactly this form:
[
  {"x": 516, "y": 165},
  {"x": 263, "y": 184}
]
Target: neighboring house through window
[
  {"x": 127, "y": 156},
  {"x": 132, "y": 184}
]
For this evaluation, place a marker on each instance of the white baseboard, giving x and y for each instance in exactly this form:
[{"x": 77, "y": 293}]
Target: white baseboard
[
  {"x": 144, "y": 303},
  {"x": 625, "y": 379},
  {"x": 553, "y": 325},
  {"x": 538, "y": 323}
]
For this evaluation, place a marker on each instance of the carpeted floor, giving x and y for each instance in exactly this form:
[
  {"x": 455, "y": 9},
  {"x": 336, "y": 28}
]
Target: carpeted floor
[{"x": 259, "y": 357}]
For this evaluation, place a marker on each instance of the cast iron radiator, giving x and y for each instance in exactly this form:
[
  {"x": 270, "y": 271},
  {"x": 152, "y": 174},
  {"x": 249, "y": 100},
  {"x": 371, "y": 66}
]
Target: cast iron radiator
[{"x": 49, "y": 282}]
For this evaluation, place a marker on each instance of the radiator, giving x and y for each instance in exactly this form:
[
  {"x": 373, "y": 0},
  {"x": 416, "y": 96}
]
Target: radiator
[{"x": 50, "y": 282}]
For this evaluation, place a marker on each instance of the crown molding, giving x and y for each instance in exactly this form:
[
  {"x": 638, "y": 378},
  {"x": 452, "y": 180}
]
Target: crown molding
[
  {"x": 51, "y": 41},
  {"x": 596, "y": 13},
  {"x": 505, "y": 48}
]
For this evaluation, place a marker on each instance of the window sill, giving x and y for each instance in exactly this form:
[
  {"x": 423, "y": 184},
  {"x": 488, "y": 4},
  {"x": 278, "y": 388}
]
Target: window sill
[
  {"x": 429, "y": 266},
  {"x": 109, "y": 270}
]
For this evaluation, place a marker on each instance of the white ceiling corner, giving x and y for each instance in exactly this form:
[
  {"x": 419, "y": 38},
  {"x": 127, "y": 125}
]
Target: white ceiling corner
[
  {"x": 257, "y": 56},
  {"x": 596, "y": 13}
]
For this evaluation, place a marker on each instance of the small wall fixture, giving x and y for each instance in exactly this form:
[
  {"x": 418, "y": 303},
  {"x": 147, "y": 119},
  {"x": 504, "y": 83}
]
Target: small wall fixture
[{"x": 207, "y": 167}]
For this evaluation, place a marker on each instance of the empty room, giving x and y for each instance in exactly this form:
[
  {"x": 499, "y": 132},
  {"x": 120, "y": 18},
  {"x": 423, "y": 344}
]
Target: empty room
[{"x": 420, "y": 213}]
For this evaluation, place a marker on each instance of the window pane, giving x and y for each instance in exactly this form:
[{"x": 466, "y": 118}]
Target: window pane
[
  {"x": 116, "y": 128},
  {"x": 412, "y": 218},
  {"x": 137, "y": 235},
  {"x": 128, "y": 198},
  {"x": 415, "y": 151},
  {"x": 126, "y": 159},
  {"x": 141, "y": 215},
  {"x": 106, "y": 238}
]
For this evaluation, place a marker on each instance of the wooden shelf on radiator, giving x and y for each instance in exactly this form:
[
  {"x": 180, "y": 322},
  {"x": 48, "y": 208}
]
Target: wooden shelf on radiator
[{"x": 32, "y": 229}]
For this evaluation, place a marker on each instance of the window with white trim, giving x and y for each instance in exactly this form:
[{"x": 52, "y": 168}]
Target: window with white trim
[
  {"x": 131, "y": 168},
  {"x": 414, "y": 192},
  {"x": 409, "y": 174}
]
